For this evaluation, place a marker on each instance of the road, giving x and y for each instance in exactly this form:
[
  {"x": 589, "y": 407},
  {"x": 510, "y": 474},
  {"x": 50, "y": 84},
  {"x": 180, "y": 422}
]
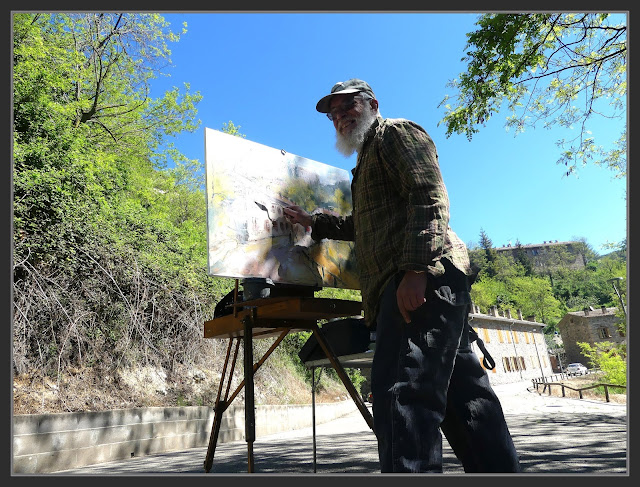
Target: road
[{"x": 553, "y": 435}]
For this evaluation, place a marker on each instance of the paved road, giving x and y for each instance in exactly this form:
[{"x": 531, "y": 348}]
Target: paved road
[{"x": 552, "y": 435}]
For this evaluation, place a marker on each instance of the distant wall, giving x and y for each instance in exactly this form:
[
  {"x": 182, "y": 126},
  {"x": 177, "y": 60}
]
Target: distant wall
[
  {"x": 45, "y": 443},
  {"x": 589, "y": 326},
  {"x": 517, "y": 346}
]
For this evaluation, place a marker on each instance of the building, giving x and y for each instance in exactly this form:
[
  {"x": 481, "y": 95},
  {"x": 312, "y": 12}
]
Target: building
[
  {"x": 591, "y": 326},
  {"x": 550, "y": 254},
  {"x": 517, "y": 345}
]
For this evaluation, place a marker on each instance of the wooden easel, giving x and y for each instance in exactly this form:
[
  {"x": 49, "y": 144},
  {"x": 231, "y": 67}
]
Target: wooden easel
[{"x": 263, "y": 318}]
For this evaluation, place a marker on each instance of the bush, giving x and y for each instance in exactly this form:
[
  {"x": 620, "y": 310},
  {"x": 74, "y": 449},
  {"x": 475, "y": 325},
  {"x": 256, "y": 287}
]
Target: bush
[{"x": 609, "y": 358}]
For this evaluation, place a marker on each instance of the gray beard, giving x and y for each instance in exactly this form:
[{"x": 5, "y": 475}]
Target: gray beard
[{"x": 352, "y": 142}]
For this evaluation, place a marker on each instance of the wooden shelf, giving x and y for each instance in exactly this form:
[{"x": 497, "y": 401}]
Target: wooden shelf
[{"x": 276, "y": 314}]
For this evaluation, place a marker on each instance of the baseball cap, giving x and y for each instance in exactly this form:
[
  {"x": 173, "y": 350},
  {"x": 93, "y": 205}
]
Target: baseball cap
[{"x": 353, "y": 85}]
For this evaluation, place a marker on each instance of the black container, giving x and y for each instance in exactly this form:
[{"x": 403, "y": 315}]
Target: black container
[
  {"x": 261, "y": 287},
  {"x": 345, "y": 336},
  {"x": 256, "y": 288}
]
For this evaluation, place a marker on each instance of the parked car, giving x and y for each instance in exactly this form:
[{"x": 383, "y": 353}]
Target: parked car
[{"x": 577, "y": 369}]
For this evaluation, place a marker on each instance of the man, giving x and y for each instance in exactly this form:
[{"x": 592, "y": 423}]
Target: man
[{"x": 413, "y": 272}]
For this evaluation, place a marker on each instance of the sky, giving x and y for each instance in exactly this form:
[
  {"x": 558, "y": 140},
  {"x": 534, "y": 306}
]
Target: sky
[{"x": 265, "y": 72}]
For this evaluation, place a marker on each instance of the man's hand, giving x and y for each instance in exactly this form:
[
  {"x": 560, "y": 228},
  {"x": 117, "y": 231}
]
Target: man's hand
[
  {"x": 410, "y": 293},
  {"x": 295, "y": 214}
]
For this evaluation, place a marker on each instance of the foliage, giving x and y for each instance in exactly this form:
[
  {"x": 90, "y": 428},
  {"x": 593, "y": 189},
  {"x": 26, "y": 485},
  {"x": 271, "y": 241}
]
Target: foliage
[
  {"x": 558, "y": 69},
  {"x": 488, "y": 253},
  {"x": 531, "y": 295},
  {"x": 488, "y": 292},
  {"x": 523, "y": 259},
  {"x": 609, "y": 358},
  {"x": 548, "y": 286},
  {"x": 339, "y": 293},
  {"x": 290, "y": 347},
  {"x": 590, "y": 285},
  {"x": 109, "y": 259},
  {"x": 534, "y": 297},
  {"x": 110, "y": 255}
]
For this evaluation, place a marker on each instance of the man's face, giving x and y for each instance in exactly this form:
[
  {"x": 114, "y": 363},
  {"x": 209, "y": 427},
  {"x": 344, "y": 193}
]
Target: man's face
[
  {"x": 352, "y": 116},
  {"x": 346, "y": 110}
]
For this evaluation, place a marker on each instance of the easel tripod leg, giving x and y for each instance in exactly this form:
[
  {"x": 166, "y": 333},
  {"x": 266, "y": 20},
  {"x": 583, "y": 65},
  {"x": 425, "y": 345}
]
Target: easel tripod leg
[
  {"x": 219, "y": 407},
  {"x": 313, "y": 413},
  {"x": 213, "y": 439},
  {"x": 249, "y": 412}
]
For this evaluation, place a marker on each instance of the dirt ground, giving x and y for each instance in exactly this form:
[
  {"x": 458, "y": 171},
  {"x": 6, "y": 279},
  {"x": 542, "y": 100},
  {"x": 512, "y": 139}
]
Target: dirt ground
[
  {"x": 89, "y": 390},
  {"x": 580, "y": 382}
]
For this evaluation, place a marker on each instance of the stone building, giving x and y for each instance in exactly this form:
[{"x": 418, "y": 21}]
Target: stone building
[
  {"x": 550, "y": 254},
  {"x": 590, "y": 326},
  {"x": 517, "y": 345}
]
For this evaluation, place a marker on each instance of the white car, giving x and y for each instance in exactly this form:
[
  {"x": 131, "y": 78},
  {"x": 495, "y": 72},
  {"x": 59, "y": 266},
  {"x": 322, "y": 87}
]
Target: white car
[{"x": 577, "y": 369}]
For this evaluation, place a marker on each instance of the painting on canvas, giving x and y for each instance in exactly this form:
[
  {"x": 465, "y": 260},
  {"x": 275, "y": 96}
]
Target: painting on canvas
[{"x": 247, "y": 186}]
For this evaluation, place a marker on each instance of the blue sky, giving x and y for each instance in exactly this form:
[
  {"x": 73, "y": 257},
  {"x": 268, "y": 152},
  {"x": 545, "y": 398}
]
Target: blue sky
[{"x": 266, "y": 71}]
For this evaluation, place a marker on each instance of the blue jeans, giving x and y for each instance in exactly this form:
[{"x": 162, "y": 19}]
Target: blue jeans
[{"x": 425, "y": 379}]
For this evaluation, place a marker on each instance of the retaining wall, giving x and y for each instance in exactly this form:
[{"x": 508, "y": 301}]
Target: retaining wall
[{"x": 45, "y": 443}]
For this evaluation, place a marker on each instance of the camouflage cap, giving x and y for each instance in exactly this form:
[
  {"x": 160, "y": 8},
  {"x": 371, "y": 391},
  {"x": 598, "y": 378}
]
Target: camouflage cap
[{"x": 353, "y": 85}]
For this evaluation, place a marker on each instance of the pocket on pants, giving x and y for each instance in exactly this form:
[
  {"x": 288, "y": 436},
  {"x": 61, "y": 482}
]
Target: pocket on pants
[{"x": 439, "y": 322}]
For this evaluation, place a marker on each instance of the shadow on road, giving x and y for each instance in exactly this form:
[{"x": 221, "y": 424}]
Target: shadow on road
[
  {"x": 570, "y": 443},
  {"x": 547, "y": 444}
]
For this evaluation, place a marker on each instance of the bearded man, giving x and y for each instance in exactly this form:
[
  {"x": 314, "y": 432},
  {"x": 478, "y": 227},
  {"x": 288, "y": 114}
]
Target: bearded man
[{"x": 414, "y": 277}]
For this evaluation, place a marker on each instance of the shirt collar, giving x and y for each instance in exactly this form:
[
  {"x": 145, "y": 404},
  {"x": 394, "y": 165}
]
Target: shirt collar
[{"x": 372, "y": 129}]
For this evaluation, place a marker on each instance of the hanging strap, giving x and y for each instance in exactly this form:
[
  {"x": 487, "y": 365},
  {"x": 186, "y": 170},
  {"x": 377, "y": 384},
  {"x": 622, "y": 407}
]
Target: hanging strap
[{"x": 487, "y": 359}]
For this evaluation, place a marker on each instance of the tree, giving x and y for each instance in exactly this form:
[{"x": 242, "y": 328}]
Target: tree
[
  {"x": 590, "y": 286},
  {"x": 83, "y": 122},
  {"x": 489, "y": 253},
  {"x": 558, "y": 69},
  {"x": 534, "y": 297},
  {"x": 608, "y": 357},
  {"x": 108, "y": 265},
  {"x": 585, "y": 250},
  {"x": 488, "y": 292},
  {"x": 524, "y": 260}
]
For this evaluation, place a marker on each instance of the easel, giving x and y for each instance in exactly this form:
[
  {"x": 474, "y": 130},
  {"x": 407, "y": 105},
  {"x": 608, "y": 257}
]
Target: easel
[{"x": 263, "y": 318}]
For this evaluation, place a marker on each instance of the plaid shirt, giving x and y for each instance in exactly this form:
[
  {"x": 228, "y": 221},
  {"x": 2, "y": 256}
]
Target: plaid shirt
[{"x": 400, "y": 218}]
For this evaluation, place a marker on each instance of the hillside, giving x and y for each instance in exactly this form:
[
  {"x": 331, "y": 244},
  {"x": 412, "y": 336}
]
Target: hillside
[{"x": 87, "y": 390}]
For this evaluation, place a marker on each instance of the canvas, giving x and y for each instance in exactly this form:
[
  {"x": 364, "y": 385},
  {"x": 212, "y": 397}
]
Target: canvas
[{"x": 248, "y": 236}]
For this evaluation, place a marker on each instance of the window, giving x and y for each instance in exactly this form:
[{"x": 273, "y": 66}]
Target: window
[
  {"x": 604, "y": 332},
  {"x": 505, "y": 364},
  {"x": 515, "y": 336},
  {"x": 522, "y": 364},
  {"x": 526, "y": 336},
  {"x": 500, "y": 337},
  {"x": 485, "y": 332}
]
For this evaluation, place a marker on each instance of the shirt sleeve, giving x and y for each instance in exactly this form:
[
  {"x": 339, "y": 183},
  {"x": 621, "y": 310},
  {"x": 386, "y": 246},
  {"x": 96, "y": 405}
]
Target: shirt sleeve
[
  {"x": 411, "y": 161},
  {"x": 332, "y": 227}
]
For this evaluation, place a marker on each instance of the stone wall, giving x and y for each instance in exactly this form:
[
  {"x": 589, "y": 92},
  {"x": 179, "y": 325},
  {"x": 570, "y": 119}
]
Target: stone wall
[
  {"x": 585, "y": 326},
  {"x": 516, "y": 345},
  {"x": 45, "y": 443}
]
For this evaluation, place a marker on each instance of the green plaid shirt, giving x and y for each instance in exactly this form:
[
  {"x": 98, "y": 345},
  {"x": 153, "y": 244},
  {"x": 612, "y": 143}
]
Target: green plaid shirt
[{"x": 400, "y": 218}]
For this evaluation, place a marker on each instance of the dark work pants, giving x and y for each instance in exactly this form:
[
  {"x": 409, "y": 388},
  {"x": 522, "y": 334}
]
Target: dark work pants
[{"x": 425, "y": 379}]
